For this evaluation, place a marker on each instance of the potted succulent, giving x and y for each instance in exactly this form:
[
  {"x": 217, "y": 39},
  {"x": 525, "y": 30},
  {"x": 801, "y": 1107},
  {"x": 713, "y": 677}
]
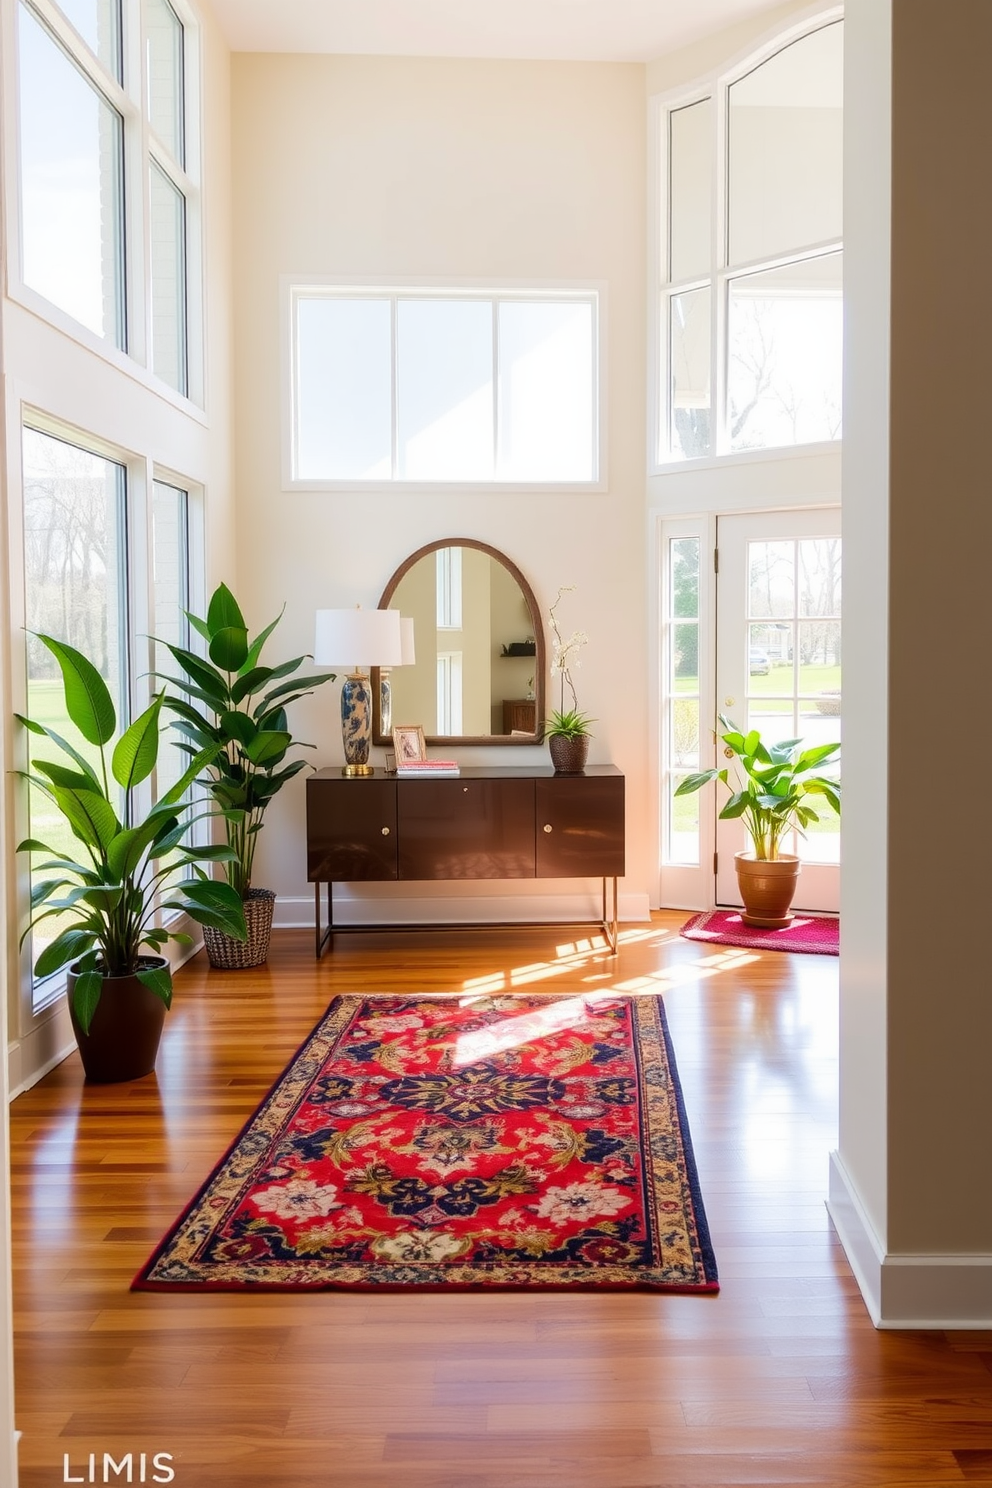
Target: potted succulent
[
  {"x": 773, "y": 795},
  {"x": 567, "y": 729},
  {"x": 119, "y": 983},
  {"x": 233, "y": 706}
]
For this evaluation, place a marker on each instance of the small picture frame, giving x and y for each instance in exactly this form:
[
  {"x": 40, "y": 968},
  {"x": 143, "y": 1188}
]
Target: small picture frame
[{"x": 408, "y": 741}]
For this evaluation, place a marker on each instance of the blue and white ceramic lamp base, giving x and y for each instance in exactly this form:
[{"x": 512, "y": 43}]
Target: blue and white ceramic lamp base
[{"x": 356, "y": 724}]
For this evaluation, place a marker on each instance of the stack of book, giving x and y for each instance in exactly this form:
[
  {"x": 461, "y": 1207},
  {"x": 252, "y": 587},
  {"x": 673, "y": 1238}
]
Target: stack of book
[{"x": 427, "y": 767}]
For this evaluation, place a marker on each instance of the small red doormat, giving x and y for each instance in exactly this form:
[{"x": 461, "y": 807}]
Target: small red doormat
[
  {"x": 811, "y": 933},
  {"x": 496, "y": 1142}
]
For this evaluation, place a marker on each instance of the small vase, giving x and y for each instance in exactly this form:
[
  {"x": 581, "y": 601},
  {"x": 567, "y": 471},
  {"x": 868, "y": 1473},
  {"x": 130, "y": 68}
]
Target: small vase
[{"x": 569, "y": 755}]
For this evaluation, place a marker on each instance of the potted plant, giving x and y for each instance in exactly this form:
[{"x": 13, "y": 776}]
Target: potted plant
[
  {"x": 567, "y": 729},
  {"x": 235, "y": 708},
  {"x": 772, "y": 795},
  {"x": 119, "y": 984}
]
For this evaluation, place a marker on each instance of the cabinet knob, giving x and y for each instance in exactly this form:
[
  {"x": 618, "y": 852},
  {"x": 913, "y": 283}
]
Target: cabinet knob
[
  {"x": 385, "y": 831},
  {"x": 548, "y": 827}
]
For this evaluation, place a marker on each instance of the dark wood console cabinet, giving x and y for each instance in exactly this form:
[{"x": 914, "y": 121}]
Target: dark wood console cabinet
[{"x": 483, "y": 823}]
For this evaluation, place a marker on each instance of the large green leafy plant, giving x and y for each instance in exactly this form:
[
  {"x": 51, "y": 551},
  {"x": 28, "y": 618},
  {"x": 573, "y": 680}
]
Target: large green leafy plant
[
  {"x": 775, "y": 788},
  {"x": 107, "y": 892},
  {"x": 235, "y": 708}
]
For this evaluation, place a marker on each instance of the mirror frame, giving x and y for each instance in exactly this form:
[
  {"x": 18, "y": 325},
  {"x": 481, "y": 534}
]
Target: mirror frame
[{"x": 540, "y": 665}]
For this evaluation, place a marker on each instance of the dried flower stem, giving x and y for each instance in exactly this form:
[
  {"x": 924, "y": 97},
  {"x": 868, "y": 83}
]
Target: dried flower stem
[{"x": 565, "y": 652}]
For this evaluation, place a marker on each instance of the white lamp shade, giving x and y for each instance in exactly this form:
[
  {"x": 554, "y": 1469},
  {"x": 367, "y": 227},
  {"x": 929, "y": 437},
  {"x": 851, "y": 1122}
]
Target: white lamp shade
[
  {"x": 359, "y": 638},
  {"x": 406, "y": 631}
]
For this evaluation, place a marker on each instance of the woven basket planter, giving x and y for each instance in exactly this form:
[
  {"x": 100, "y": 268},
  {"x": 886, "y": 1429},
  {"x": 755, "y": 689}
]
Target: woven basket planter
[
  {"x": 569, "y": 755},
  {"x": 237, "y": 955}
]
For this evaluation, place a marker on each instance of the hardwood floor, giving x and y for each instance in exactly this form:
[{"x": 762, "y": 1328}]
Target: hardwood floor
[{"x": 780, "y": 1379}]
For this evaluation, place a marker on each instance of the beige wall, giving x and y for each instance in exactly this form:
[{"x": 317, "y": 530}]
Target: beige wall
[
  {"x": 445, "y": 171},
  {"x": 910, "y": 1185}
]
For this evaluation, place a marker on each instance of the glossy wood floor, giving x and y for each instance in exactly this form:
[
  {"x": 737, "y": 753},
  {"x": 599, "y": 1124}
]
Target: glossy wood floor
[{"x": 780, "y": 1379}]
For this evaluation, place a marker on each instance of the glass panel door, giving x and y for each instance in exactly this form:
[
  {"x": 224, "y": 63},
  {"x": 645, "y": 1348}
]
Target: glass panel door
[{"x": 779, "y": 666}]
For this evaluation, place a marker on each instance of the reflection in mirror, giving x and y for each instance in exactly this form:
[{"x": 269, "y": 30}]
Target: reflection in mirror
[{"x": 479, "y": 673}]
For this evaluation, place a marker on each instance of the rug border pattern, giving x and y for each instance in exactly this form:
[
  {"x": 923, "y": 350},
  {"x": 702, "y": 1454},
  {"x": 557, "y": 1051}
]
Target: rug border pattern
[
  {"x": 746, "y": 938},
  {"x": 662, "y": 1115}
]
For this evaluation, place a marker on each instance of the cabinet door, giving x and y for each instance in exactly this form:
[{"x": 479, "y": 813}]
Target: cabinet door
[
  {"x": 580, "y": 826},
  {"x": 519, "y": 714},
  {"x": 460, "y": 828},
  {"x": 351, "y": 829}
]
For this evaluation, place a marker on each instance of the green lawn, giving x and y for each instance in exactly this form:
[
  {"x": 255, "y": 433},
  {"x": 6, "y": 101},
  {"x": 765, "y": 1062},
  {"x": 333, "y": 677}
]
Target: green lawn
[{"x": 812, "y": 679}]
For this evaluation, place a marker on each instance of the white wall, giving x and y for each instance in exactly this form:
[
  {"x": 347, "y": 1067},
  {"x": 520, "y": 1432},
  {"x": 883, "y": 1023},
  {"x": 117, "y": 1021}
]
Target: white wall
[
  {"x": 909, "y": 1186},
  {"x": 442, "y": 171}
]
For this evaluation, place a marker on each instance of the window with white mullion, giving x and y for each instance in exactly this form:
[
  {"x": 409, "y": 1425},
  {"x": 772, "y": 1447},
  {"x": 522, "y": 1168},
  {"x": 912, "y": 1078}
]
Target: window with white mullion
[
  {"x": 71, "y": 141},
  {"x": 87, "y": 36},
  {"x": 767, "y": 146},
  {"x": 165, "y": 75},
  {"x": 682, "y": 696},
  {"x": 393, "y": 393},
  {"x": 426, "y": 386},
  {"x": 167, "y": 228},
  {"x": 107, "y": 179}
]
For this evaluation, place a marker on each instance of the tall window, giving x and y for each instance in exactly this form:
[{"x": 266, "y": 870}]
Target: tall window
[
  {"x": 165, "y": 63},
  {"x": 170, "y": 599},
  {"x": 81, "y": 135},
  {"x": 444, "y": 386},
  {"x": 681, "y": 634},
  {"x": 72, "y": 202},
  {"x": 82, "y": 561},
  {"x": 752, "y": 295},
  {"x": 74, "y": 540}
]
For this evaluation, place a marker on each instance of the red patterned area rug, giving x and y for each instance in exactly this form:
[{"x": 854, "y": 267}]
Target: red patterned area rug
[
  {"x": 810, "y": 933},
  {"x": 491, "y": 1142}
]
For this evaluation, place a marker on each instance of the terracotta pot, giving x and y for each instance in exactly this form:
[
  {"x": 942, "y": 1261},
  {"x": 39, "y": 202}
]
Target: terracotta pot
[
  {"x": 124, "y": 1036},
  {"x": 767, "y": 889},
  {"x": 568, "y": 755},
  {"x": 237, "y": 955}
]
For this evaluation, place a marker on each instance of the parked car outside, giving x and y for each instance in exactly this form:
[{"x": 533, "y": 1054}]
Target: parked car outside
[{"x": 758, "y": 663}]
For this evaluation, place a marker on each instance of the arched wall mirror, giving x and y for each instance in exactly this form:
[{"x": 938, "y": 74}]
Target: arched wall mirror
[{"x": 478, "y": 677}]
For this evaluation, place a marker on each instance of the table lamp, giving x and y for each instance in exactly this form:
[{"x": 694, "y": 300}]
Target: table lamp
[
  {"x": 359, "y": 639},
  {"x": 385, "y": 686}
]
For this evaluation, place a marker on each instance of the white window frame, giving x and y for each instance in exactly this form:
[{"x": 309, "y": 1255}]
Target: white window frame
[
  {"x": 294, "y": 287},
  {"x": 715, "y": 86},
  {"x": 140, "y": 148},
  {"x": 684, "y": 885},
  {"x": 448, "y": 585},
  {"x": 38, "y": 999},
  {"x": 449, "y": 692}
]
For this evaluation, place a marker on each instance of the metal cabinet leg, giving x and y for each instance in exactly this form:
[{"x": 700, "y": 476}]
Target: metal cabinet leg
[
  {"x": 322, "y": 937},
  {"x": 319, "y": 944},
  {"x": 610, "y": 924}
]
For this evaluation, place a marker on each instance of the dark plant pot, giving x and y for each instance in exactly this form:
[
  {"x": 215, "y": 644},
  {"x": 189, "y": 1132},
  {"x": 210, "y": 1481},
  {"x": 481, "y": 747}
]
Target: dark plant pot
[
  {"x": 229, "y": 954},
  {"x": 124, "y": 1036},
  {"x": 767, "y": 888},
  {"x": 569, "y": 755}
]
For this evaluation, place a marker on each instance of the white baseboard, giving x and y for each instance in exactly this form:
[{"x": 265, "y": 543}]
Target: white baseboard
[
  {"x": 388, "y": 905},
  {"x": 907, "y": 1291},
  {"x": 49, "y": 1042},
  {"x": 51, "y": 1039}
]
